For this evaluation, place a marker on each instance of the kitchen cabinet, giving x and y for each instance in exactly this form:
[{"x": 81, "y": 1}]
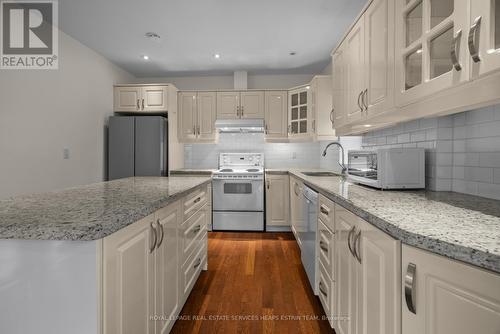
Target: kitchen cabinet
[
  {"x": 277, "y": 200},
  {"x": 209, "y": 207},
  {"x": 441, "y": 295},
  {"x": 300, "y": 116},
  {"x": 197, "y": 115},
  {"x": 276, "y": 115},
  {"x": 244, "y": 104},
  {"x": 355, "y": 73},
  {"x": 321, "y": 107},
  {"x": 339, "y": 89},
  {"x": 296, "y": 218},
  {"x": 141, "y": 98},
  {"x": 366, "y": 277}
]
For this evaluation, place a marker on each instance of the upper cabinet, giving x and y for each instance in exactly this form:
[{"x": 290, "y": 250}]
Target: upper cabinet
[
  {"x": 141, "y": 98},
  {"x": 300, "y": 117},
  {"x": 321, "y": 104},
  {"x": 197, "y": 115},
  {"x": 276, "y": 115},
  {"x": 234, "y": 104}
]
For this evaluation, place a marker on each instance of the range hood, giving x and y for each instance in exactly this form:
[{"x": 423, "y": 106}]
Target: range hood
[{"x": 240, "y": 125}]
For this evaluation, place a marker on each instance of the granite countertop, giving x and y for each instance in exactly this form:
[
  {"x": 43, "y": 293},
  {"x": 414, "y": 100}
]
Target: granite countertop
[
  {"x": 458, "y": 226},
  {"x": 90, "y": 212}
]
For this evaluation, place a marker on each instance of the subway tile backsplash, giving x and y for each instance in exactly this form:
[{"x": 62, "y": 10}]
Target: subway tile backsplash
[{"x": 462, "y": 150}]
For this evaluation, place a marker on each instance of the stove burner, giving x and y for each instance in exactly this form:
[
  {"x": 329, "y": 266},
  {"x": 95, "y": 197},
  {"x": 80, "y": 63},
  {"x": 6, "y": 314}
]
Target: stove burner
[
  {"x": 226, "y": 170},
  {"x": 252, "y": 170}
]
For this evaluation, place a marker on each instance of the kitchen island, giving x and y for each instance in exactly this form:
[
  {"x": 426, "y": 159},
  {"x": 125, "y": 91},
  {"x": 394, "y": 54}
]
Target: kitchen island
[{"x": 102, "y": 257}]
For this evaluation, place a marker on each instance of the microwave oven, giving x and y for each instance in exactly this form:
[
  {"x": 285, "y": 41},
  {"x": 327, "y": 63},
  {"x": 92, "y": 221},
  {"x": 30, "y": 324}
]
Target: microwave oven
[{"x": 392, "y": 168}]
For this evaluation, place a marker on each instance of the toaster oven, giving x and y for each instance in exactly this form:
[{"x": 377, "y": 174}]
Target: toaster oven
[{"x": 392, "y": 168}]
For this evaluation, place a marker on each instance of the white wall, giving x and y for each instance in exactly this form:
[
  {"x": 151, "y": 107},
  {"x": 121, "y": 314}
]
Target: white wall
[
  {"x": 44, "y": 111},
  {"x": 256, "y": 81}
]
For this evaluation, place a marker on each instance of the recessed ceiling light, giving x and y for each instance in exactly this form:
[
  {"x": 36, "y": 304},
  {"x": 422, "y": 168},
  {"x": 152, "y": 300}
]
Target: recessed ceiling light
[
  {"x": 419, "y": 51},
  {"x": 152, "y": 35},
  {"x": 217, "y": 56},
  {"x": 308, "y": 87},
  {"x": 367, "y": 125},
  {"x": 292, "y": 53},
  {"x": 145, "y": 57}
]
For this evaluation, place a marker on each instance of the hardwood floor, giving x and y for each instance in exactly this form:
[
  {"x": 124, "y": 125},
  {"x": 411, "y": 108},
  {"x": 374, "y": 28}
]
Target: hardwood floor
[{"x": 255, "y": 283}]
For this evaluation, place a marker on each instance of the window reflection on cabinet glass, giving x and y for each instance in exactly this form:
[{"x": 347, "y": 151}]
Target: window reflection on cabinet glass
[
  {"x": 295, "y": 113},
  {"x": 497, "y": 24},
  {"x": 303, "y": 97},
  {"x": 440, "y": 10},
  {"x": 295, "y": 99},
  {"x": 413, "y": 69},
  {"x": 440, "y": 61},
  {"x": 303, "y": 112},
  {"x": 303, "y": 126},
  {"x": 295, "y": 127},
  {"x": 414, "y": 24}
]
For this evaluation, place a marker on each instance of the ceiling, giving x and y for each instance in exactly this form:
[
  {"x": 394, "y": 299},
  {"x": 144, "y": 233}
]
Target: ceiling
[{"x": 253, "y": 35}]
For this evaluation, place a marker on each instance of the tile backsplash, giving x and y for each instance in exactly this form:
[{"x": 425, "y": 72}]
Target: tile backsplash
[{"x": 462, "y": 150}]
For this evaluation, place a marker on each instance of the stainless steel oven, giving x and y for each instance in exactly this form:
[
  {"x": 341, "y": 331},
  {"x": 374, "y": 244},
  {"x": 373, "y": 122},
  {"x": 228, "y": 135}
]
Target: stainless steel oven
[{"x": 238, "y": 195}]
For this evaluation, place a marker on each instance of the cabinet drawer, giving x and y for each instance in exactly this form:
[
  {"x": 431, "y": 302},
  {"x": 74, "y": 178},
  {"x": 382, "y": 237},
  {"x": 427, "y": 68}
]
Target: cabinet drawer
[
  {"x": 326, "y": 248},
  {"x": 326, "y": 289},
  {"x": 192, "y": 268},
  {"x": 191, "y": 231},
  {"x": 327, "y": 212},
  {"x": 194, "y": 201}
]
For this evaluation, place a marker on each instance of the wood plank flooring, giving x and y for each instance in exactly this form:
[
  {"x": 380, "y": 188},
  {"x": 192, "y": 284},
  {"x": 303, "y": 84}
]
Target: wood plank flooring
[{"x": 255, "y": 283}]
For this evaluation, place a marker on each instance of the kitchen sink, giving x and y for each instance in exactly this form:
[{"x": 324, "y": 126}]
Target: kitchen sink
[{"x": 320, "y": 174}]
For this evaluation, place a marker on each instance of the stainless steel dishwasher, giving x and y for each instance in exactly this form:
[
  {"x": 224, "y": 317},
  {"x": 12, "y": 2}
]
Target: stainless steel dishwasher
[{"x": 308, "y": 234}]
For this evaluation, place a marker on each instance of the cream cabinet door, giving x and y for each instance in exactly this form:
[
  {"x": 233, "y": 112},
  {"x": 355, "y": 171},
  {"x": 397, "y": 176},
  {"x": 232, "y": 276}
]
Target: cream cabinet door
[
  {"x": 346, "y": 273},
  {"x": 228, "y": 105},
  {"x": 339, "y": 89},
  {"x": 379, "y": 57},
  {"x": 276, "y": 114},
  {"x": 129, "y": 279},
  {"x": 379, "y": 298},
  {"x": 296, "y": 207},
  {"x": 167, "y": 266},
  {"x": 187, "y": 116},
  {"x": 207, "y": 115},
  {"x": 252, "y": 104},
  {"x": 449, "y": 297},
  {"x": 486, "y": 36},
  {"x": 355, "y": 71},
  {"x": 154, "y": 98},
  {"x": 321, "y": 98},
  {"x": 277, "y": 200},
  {"x": 299, "y": 113},
  {"x": 127, "y": 99}
]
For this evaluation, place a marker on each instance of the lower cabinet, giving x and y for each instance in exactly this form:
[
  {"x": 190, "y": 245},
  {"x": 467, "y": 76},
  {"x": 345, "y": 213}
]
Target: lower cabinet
[
  {"x": 277, "y": 200},
  {"x": 150, "y": 267},
  {"x": 444, "y": 296},
  {"x": 366, "y": 277},
  {"x": 296, "y": 219}
]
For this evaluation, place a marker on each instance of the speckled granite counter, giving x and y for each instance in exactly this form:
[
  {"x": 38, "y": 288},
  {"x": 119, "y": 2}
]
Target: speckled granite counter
[
  {"x": 458, "y": 226},
  {"x": 90, "y": 212},
  {"x": 191, "y": 172}
]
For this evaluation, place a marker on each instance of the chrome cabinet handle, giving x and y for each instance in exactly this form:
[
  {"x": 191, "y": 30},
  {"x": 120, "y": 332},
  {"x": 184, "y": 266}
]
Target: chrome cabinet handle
[
  {"x": 365, "y": 98},
  {"x": 155, "y": 238},
  {"x": 355, "y": 247},
  {"x": 197, "y": 200},
  {"x": 197, "y": 229},
  {"x": 265, "y": 129},
  {"x": 455, "y": 52},
  {"x": 197, "y": 264},
  {"x": 138, "y": 104},
  {"x": 332, "y": 117},
  {"x": 289, "y": 126},
  {"x": 142, "y": 104},
  {"x": 238, "y": 111},
  {"x": 410, "y": 287},
  {"x": 295, "y": 189},
  {"x": 474, "y": 38},
  {"x": 194, "y": 130},
  {"x": 268, "y": 184},
  {"x": 160, "y": 227},
  {"x": 323, "y": 246},
  {"x": 359, "y": 104},
  {"x": 324, "y": 210},
  {"x": 321, "y": 289},
  {"x": 351, "y": 231},
  {"x": 198, "y": 130},
  {"x": 242, "y": 109}
]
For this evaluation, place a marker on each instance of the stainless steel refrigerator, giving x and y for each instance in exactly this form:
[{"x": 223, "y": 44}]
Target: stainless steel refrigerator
[{"x": 137, "y": 146}]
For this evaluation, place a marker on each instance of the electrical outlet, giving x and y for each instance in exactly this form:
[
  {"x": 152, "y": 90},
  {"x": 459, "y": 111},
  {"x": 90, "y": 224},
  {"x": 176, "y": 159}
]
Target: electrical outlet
[{"x": 66, "y": 154}]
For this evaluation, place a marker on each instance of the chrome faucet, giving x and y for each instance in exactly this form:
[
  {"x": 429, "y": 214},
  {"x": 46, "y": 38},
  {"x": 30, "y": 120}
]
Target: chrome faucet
[{"x": 342, "y": 165}]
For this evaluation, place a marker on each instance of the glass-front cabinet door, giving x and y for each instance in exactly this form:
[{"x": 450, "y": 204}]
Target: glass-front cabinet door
[
  {"x": 484, "y": 36},
  {"x": 299, "y": 115},
  {"x": 431, "y": 47}
]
